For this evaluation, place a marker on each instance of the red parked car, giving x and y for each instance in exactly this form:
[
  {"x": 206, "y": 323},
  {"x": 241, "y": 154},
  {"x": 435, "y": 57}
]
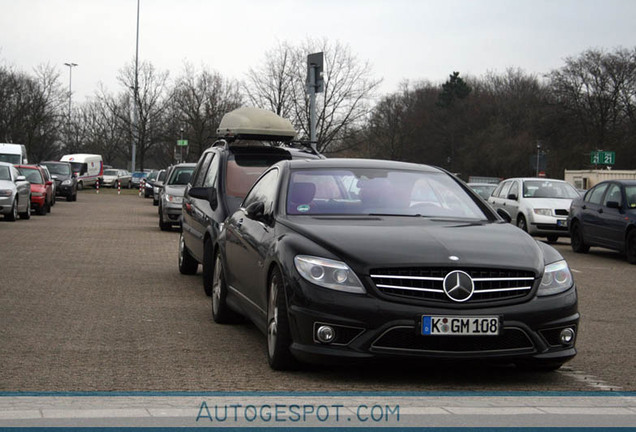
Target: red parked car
[{"x": 41, "y": 190}]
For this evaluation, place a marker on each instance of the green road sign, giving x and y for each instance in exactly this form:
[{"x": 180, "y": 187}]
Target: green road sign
[
  {"x": 182, "y": 143},
  {"x": 603, "y": 157}
]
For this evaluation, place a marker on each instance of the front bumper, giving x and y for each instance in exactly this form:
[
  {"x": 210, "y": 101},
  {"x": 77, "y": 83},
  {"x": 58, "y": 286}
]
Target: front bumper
[
  {"x": 369, "y": 327},
  {"x": 544, "y": 225},
  {"x": 172, "y": 211},
  {"x": 64, "y": 190},
  {"x": 6, "y": 204}
]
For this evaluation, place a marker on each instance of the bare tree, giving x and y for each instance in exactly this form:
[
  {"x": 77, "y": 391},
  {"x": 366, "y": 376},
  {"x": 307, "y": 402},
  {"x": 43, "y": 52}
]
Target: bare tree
[
  {"x": 199, "y": 101},
  {"x": 270, "y": 86},
  {"x": 342, "y": 108}
]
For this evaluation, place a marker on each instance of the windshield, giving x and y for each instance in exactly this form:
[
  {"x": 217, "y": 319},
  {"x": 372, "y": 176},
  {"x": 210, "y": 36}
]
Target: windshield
[
  {"x": 32, "y": 175},
  {"x": 110, "y": 172},
  {"x": 379, "y": 191},
  {"x": 139, "y": 175},
  {"x": 11, "y": 158},
  {"x": 58, "y": 169},
  {"x": 548, "y": 189},
  {"x": 4, "y": 173},
  {"x": 180, "y": 176}
]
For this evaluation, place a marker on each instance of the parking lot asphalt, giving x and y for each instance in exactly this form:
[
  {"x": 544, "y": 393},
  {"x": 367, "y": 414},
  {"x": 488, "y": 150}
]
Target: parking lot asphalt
[{"x": 91, "y": 300}]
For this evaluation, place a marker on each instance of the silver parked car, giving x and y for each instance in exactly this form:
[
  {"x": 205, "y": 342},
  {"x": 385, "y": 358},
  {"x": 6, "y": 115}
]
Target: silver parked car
[
  {"x": 171, "y": 194},
  {"x": 539, "y": 206},
  {"x": 112, "y": 176},
  {"x": 15, "y": 193}
]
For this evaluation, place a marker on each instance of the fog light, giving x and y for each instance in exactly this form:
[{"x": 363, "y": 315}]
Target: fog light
[
  {"x": 325, "y": 334},
  {"x": 566, "y": 336}
]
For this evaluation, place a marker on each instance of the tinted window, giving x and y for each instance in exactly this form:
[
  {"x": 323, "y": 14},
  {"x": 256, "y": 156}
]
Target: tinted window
[
  {"x": 378, "y": 191},
  {"x": 32, "y": 175},
  {"x": 630, "y": 194},
  {"x": 202, "y": 169},
  {"x": 613, "y": 194},
  {"x": 595, "y": 195},
  {"x": 180, "y": 176},
  {"x": 59, "y": 169},
  {"x": 4, "y": 173},
  {"x": 264, "y": 191},
  {"x": 243, "y": 170},
  {"x": 212, "y": 173}
]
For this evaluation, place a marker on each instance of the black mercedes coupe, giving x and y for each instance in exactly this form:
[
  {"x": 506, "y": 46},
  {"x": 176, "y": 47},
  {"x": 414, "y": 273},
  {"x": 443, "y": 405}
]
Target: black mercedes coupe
[{"x": 350, "y": 259}]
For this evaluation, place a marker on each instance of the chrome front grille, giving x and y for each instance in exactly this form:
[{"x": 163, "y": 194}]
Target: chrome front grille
[{"x": 427, "y": 283}]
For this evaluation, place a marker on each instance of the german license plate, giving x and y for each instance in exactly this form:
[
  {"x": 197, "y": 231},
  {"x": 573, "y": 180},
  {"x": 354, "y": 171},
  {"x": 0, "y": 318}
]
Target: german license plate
[
  {"x": 460, "y": 326},
  {"x": 562, "y": 223}
]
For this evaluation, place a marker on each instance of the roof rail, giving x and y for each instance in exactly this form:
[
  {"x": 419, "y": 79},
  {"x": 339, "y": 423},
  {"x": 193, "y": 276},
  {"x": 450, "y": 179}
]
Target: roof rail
[{"x": 309, "y": 146}]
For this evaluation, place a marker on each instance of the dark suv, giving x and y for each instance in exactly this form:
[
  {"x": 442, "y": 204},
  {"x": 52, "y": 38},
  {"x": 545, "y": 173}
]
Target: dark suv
[
  {"x": 65, "y": 181},
  {"x": 223, "y": 176}
]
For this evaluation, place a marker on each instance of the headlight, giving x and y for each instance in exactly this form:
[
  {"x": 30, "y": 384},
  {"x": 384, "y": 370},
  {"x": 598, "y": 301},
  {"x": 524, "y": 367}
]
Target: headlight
[
  {"x": 67, "y": 182},
  {"x": 556, "y": 279},
  {"x": 5, "y": 192},
  {"x": 328, "y": 273},
  {"x": 543, "y": 212},
  {"x": 173, "y": 199}
]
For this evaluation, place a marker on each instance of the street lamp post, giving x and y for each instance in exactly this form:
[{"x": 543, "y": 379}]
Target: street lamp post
[
  {"x": 136, "y": 97},
  {"x": 70, "y": 91},
  {"x": 538, "y": 157}
]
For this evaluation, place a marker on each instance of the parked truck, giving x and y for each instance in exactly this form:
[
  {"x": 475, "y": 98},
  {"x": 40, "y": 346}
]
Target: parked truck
[{"x": 15, "y": 154}]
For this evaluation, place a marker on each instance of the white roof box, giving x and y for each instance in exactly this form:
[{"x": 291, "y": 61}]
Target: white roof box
[{"x": 256, "y": 124}]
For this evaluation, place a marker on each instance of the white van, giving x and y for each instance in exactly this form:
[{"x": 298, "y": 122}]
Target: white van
[
  {"x": 15, "y": 154},
  {"x": 89, "y": 168}
]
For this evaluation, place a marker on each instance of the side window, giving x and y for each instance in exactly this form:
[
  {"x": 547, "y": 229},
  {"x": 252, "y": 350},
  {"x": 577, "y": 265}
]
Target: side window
[
  {"x": 514, "y": 189},
  {"x": 265, "y": 191},
  {"x": 202, "y": 169},
  {"x": 613, "y": 194},
  {"x": 497, "y": 190},
  {"x": 211, "y": 173},
  {"x": 595, "y": 195},
  {"x": 505, "y": 189}
]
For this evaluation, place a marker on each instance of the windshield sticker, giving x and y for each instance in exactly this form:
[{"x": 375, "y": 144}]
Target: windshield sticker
[{"x": 303, "y": 208}]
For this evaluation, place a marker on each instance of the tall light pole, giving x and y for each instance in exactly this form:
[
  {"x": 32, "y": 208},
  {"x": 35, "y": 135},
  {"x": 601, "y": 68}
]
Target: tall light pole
[
  {"x": 70, "y": 91},
  {"x": 136, "y": 96}
]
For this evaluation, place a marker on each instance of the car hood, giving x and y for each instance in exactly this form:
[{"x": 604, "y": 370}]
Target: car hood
[
  {"x": 7, "y": 184},
  {"x": 549, "y": 203},
  {"x": 373, "y": 242},
  {"x": 175, "y": 190}
]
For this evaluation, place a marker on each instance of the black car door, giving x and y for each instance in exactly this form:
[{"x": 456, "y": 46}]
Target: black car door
[
  {"x": 590, "y": 214},
  {"x": 195, "y": 210},
  {"x": 612, "y": 221},
  {"x": 250, "y": 238}
]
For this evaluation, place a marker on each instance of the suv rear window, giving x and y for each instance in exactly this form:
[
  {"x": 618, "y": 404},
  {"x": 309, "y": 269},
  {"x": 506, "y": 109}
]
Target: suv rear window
[{"x": 244, "y": 169}]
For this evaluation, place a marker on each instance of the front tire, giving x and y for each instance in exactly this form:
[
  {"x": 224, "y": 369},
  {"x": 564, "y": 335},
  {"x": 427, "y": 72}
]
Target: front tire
[
  {"x": 187, "y": 264},
  {"x": 577, "y": 240},
  {"x": 522, "y": 223},
  {"x": 27, "y": 213},
  {"x": 278, "y": 334},
  {"x": 630, "y": 247},
  {"x": 13, "y": 215}
]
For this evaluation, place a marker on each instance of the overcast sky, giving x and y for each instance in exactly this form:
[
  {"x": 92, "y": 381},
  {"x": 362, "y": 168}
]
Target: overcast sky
[{"x": 401, "y": 39}]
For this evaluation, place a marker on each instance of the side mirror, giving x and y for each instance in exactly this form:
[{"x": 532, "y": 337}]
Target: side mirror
[
  {"x": 256, "y": 210},
  {"x": 205, "y": 193},
  {"x": 54, "y": 176},
  {"x": 20, "y": 178},
  {"x": 512, "y": 197},
  {"x": 49, "y": 183},
  {"x": 613, "y": 204}
]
